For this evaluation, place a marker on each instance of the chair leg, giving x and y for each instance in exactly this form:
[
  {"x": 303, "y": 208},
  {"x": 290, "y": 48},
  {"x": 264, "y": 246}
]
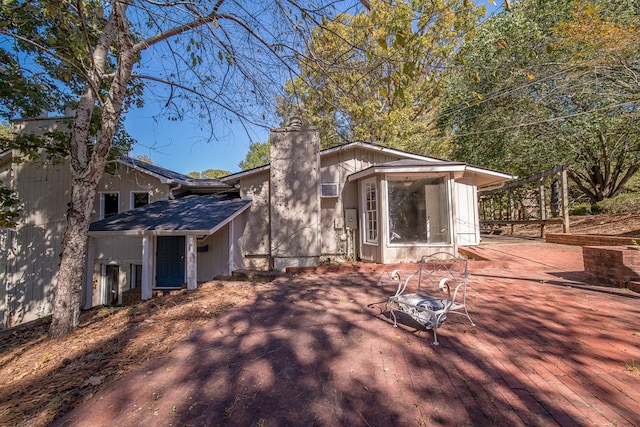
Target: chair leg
[
  {"x": 395, "y": 320},
  {"x": 468, "y": 317},
  {"x": 435, "y": 321}
]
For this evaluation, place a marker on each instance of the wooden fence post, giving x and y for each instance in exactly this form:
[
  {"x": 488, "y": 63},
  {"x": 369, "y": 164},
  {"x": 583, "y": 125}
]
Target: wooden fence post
[{"x": 565, "y": 201}]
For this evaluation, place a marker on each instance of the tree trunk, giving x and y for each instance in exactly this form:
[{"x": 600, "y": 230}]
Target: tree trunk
[
  {"x": 86, "y": 171},
  {"x": 87, "y": 166},
  {"x": 68, "y": 289}
]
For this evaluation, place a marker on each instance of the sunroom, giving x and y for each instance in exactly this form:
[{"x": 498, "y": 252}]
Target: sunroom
[{"x": 411, "y": 208}]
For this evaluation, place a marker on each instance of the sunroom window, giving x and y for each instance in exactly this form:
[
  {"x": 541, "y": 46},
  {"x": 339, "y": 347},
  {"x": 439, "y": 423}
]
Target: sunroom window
[
  {"x": 418, "y": 211},
  {"x": 370, "y": 212}
]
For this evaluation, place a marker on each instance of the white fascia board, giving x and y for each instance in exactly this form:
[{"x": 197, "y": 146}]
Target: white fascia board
[
  {"x": 488, "y": 178},
  {"x": 376, "y": 170},
  {"x": 500, "y": 175}
]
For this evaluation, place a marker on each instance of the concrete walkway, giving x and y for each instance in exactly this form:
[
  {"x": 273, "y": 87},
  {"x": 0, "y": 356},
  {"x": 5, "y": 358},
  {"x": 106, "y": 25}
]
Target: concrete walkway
[{"x": 318, "y": 350}]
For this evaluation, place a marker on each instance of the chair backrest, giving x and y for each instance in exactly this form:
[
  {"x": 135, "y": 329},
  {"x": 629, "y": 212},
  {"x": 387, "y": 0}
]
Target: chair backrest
[{"x": 442, "y": 265}]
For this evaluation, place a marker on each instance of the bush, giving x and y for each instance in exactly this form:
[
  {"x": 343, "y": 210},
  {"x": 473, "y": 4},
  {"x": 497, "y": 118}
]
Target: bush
[
  {"x": 623, "y": 203},
  {"x": 581, "y": 209}
]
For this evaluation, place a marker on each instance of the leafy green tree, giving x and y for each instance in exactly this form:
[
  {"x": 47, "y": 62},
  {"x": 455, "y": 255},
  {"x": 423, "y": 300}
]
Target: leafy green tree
[
  {"x": 9, "y": 202},
  {"x": 551, "y": 83},
  {"x": 259, "y": 154},
  {"x": 376, "y": 75},
  {"x": 209, "y": 174},
  {"x": 219, "y": 59},
  {"x": 145, "y": 159}
]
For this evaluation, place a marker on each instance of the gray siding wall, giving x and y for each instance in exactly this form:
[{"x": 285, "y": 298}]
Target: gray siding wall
[
  {"x": 215, "y": 261},
  {"x": 337, "y": 242},
  {"x": 34, "y": 246},
  {"x": 32, "y": 250},
  {"x": 5, "y": 238},
  {"x": 121, "y": 251},
  {"x": 125, "y": 181}
]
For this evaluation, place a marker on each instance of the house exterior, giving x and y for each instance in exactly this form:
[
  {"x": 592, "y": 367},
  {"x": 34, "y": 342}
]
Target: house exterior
[
  {"x": 355, "y": 201},
  {"x": 29, "y": 253},
  {"x": 154, "y": 229}
]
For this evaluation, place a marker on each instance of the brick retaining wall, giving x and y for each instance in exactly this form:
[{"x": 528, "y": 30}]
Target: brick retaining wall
[
  {"x": 612, "y": 265},
  {"x": 590, "y": 239}
]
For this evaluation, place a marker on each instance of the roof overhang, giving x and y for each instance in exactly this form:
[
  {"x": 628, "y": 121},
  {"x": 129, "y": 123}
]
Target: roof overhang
[
  {"x": 456, "y": 168},
  {"x": 147, "y": 223},
  {"x": 461, "y": 172},
  {"x": 6, "y": 156},
  {"x": 234, "y": 178}
]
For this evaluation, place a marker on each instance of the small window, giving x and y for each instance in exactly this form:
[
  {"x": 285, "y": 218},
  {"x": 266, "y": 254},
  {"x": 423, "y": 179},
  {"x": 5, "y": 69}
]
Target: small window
[
  {"x": 329, "y": 189},
  {"x": 139, "y": 199},
  {"x": 136, "y": 275},
  {"x": 109, "y": 204}
]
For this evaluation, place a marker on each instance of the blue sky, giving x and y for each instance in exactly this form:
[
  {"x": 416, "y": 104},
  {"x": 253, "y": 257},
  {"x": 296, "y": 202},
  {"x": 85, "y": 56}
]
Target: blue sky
[{"x": 183, "y": 147}]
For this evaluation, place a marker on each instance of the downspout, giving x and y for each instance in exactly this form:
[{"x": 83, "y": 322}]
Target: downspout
[{"x": 172, "y": 189}]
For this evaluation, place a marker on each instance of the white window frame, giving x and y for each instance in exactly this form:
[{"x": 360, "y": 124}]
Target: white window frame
[
  {"x": 370, "y": 210},
  {"x": 134, "y": 276},
  {"x": 102, "y": 194},
  {"x": 132, "y": 198}
]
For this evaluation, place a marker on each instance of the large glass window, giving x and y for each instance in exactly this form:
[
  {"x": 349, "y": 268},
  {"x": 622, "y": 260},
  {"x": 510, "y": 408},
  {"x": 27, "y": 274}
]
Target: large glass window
[
  {"x": 418, "y": 211},
  {"x": 370, "y": 212}
]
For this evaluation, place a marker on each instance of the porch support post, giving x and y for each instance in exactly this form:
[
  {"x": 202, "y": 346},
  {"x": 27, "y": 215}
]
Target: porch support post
[
  {"x": 88, "y": 281},
  {"x": 565, "y": 200},
  {"x": 147, "y": 268},
  {"x": 232, "y": 247},
  {"x": 192, "y": 263}
]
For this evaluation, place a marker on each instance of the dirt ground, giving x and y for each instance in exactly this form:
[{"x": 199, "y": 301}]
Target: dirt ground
[
  {"x": 627, "y": 224},
  {"x": 42, "y": 379}
]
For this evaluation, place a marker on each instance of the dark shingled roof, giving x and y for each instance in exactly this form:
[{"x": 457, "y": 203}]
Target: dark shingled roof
[
  {"x": 158, "y": 170},
  {"x": 193, "y": 213},
  {"x": 167, "y": 174}
]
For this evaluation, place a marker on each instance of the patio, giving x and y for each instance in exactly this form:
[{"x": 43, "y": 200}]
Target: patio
[{"x": 317, "y": 349}]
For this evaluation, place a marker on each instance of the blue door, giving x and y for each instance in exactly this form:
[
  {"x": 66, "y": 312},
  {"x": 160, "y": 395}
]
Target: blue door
[{"x": 170, "y": 262}]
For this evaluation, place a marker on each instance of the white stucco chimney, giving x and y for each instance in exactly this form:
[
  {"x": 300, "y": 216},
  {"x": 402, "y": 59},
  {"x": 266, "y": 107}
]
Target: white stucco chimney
[{"x": 295, "y": 195}]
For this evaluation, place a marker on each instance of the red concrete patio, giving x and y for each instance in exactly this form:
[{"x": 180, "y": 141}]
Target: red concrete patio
[{"x": 548, "y": 349}]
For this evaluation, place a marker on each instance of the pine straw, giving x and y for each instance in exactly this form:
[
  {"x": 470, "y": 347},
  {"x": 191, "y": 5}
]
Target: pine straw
[{"x": 42, "y": 379}]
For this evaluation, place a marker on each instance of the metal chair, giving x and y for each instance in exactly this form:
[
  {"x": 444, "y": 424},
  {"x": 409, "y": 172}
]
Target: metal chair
[{"x": 437, "y": 288}]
